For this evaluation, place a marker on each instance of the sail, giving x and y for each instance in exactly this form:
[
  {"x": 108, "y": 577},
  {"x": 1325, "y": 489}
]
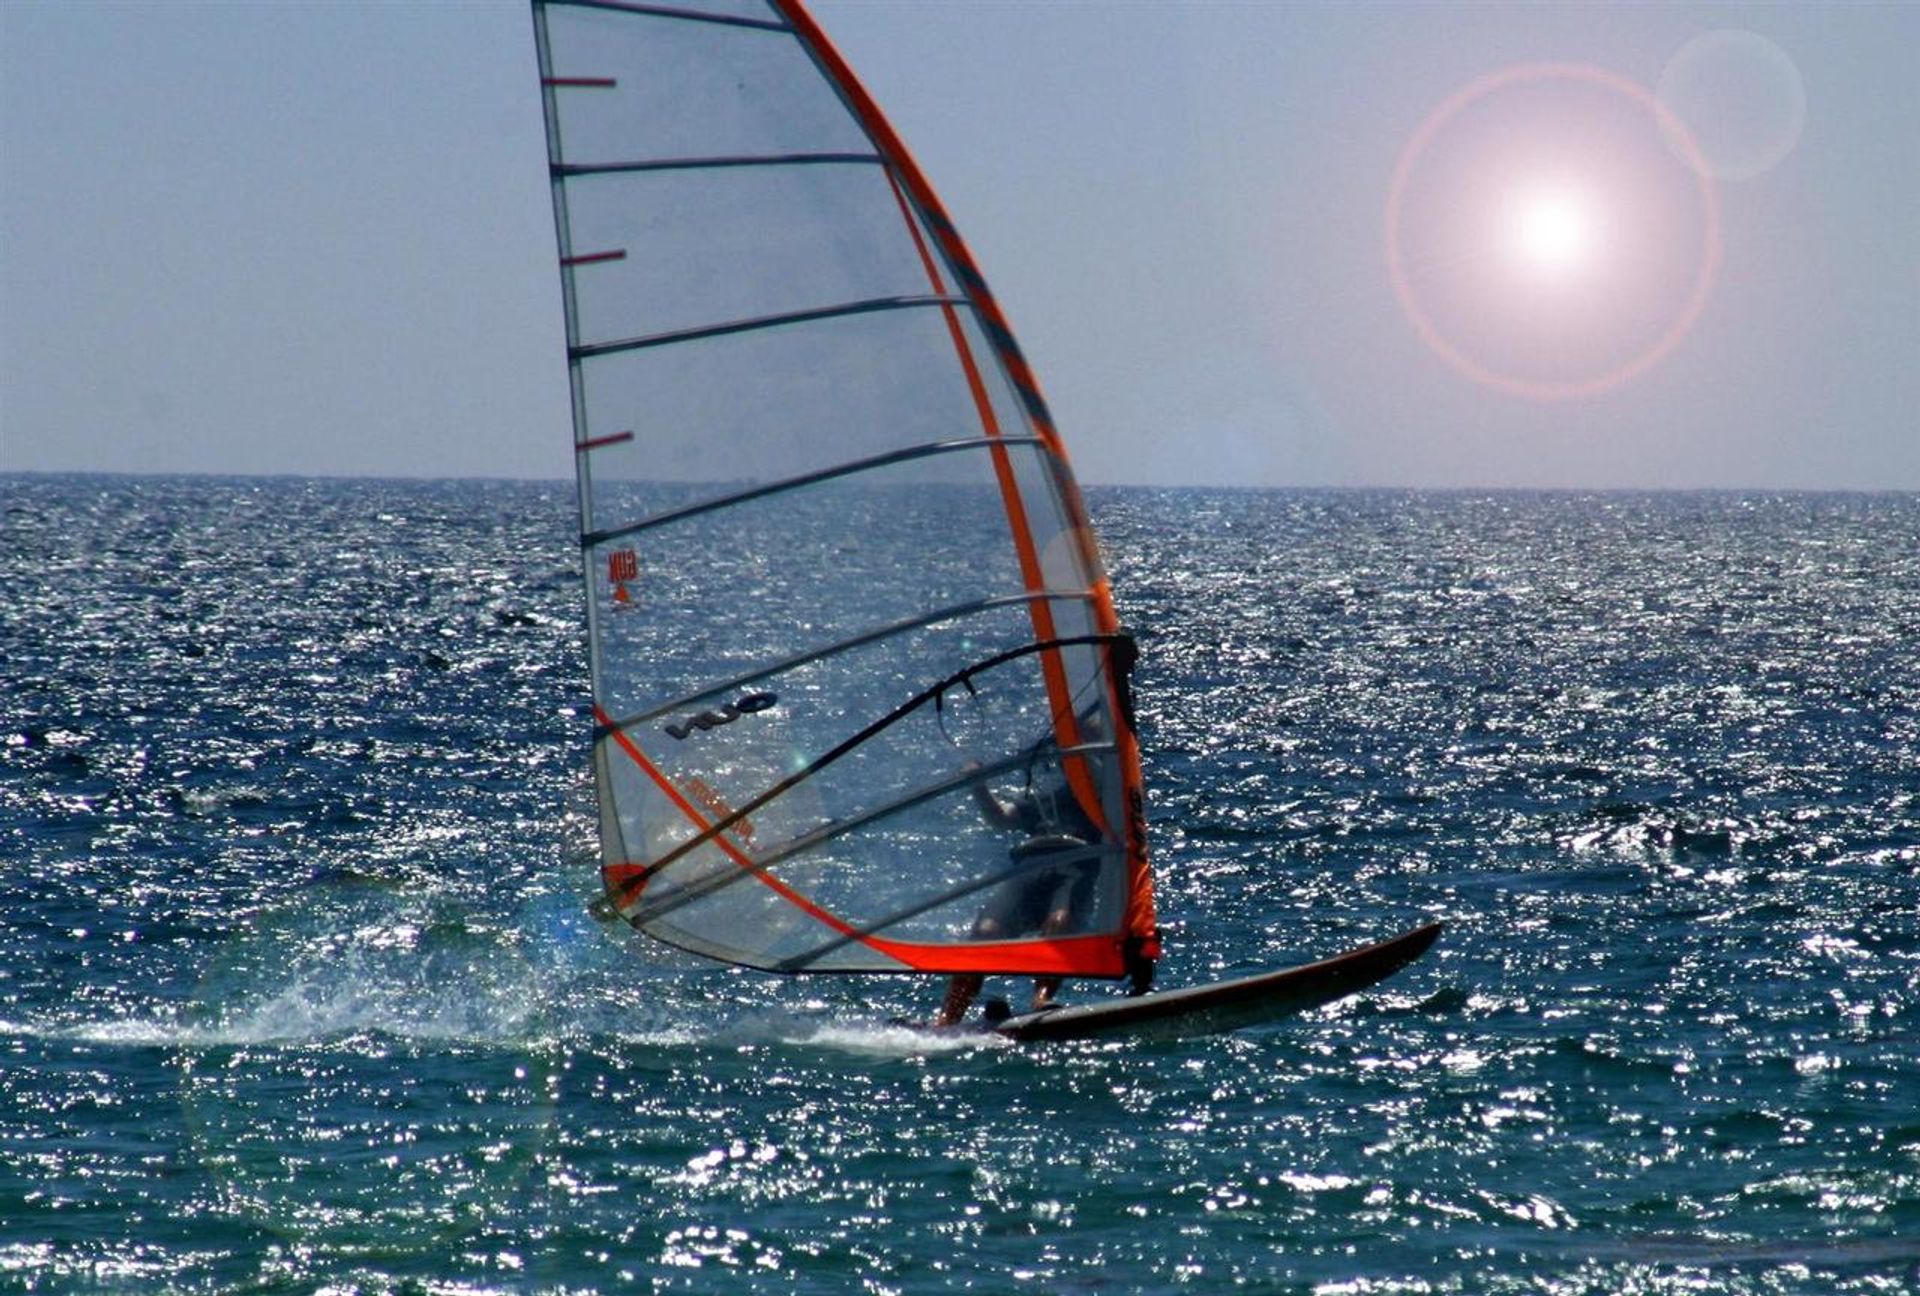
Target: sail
[{"x": 844, "y": 604}]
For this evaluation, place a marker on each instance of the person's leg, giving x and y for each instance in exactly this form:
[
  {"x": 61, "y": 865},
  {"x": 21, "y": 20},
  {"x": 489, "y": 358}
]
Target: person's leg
[
  {"x": 1045, "y": 988},
  {"x": 961, "y": 990},
  {"x": 964, "y": 987}
]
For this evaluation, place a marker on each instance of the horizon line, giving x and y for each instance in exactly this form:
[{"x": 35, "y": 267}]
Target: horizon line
[{"x": 1382, "y": 487}]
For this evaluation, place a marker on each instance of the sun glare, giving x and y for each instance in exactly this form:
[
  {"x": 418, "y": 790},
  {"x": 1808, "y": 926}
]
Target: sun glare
[
  {"x": 1543, "y": 237},
  {"x": 1553, "y": 232}
]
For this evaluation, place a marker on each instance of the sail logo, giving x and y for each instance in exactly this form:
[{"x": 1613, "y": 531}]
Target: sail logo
[
  {"x": 726, "y": 715},
  {"x": 623, "y": 569}
]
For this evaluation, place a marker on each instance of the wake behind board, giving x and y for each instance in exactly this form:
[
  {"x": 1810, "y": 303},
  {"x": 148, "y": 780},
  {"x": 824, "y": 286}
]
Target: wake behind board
[{"x": 1228, "y": 1005}]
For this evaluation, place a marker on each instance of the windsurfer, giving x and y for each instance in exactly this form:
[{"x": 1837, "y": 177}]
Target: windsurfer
[
  {"x": 1052, "y": 890},
  {"x": 1056, "y": 868}
]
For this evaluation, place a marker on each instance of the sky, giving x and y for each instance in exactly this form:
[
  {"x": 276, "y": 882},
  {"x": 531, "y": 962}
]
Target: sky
[{"x": 1433, "y": 245}]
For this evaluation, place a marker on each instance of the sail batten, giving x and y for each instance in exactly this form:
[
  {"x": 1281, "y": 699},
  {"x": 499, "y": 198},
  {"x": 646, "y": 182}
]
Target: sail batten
[
  {"x": 589, "y": 350},
  {"x": 904, "y": 455},
  {"x": 848, "y": 625},
  {"x": 860, "y": 640},
  {"x": 566, "y": 171}
]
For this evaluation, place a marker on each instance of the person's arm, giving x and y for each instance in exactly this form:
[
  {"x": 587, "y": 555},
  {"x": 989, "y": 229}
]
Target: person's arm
[{"x": 993, "y": 809}]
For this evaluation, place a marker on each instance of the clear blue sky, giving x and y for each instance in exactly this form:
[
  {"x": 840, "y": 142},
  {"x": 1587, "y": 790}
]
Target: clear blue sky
[{"x": 316, "y": 238}]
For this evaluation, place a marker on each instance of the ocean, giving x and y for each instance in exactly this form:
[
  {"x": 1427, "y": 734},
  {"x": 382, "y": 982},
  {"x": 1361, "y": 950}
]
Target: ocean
[{"x": 298, "y": 993}]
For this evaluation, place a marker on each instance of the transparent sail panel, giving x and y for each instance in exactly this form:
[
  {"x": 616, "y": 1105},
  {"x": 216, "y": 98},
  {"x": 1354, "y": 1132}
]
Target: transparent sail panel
[
  {"x": 889, "y": 837},
  {"x": 852, "y": 647},
  {"x": 698, "y": 247},
  {"x": 776, "y": 403},
  {"x": 687, "y": 89},
  {"x": 796, "y": 570}
]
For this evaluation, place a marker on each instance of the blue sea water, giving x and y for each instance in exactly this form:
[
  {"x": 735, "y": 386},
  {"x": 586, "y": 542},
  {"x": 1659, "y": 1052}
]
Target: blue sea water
[{"x": 297, "y": 992}]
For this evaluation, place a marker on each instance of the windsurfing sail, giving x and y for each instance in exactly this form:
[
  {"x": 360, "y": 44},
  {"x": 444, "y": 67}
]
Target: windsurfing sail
[{"x": 841, "y": 582}]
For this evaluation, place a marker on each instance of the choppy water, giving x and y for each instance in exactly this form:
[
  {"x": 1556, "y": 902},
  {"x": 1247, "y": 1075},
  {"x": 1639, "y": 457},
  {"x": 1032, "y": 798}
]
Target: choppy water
[{"x": 296, "y": 992}]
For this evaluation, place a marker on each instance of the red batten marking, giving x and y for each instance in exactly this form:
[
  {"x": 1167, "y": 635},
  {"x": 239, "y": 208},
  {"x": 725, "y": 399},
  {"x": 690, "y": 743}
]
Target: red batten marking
[
  {"x": 612, "y": 439},
  {"x": 584, "y": 83},
  {"x": 585, "y": 258}
]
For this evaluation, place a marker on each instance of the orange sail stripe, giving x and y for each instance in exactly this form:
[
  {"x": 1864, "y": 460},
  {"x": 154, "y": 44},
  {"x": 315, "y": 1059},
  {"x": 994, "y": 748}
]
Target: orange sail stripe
[
  {"x": 1094, "y": 956},
  {"x": 665, "y": 784},
  {"x": 733, "y": 852}
]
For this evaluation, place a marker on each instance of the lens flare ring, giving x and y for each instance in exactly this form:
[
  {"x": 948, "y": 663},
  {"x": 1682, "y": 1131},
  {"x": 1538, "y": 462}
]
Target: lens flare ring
[{"x": 1677, "y": 135}]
